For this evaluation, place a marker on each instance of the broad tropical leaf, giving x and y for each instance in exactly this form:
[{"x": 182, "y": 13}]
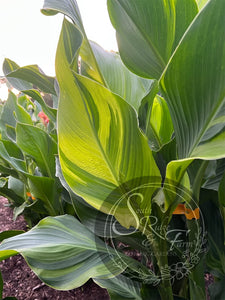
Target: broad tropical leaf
[
  {"x": 196, "y": 96},
  {"x": 66, "y": 255},
  {"x": 149, "y": 30},
  {"x": 89, "y": 120}
]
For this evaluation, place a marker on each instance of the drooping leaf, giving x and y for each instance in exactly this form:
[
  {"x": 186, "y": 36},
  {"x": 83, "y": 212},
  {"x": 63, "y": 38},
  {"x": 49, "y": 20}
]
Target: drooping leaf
[
  {"x": 196, "y": 96},
  {"x": 66, "y": 7},
  {"x": 148, "y": 31},
  {"x": 34, "y": 75},
  {"x": 70, "y": 9},
  {"x": 89, "y": 120},
  {"x": 19, "y": 84},
  {"x": 66, "y": 255}
]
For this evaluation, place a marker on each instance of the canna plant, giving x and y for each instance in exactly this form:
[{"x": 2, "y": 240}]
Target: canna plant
[
  {"x": 141, "y": 146},
  {"x": 29, "y": 146}
]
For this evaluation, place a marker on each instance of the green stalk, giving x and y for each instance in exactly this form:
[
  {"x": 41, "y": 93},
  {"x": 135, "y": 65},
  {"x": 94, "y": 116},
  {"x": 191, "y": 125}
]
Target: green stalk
[
  {"x": 197, "y": 275},
  {"x": 158, "y": 246},
  {"x": 165, "y": 288}
]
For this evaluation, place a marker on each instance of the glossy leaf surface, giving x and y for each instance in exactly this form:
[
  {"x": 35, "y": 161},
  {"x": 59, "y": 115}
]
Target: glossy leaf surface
[
  {"x": 95, "y": 159},
  {"x": 193, "y": 85},
  {"x": 149, "y": 31}
]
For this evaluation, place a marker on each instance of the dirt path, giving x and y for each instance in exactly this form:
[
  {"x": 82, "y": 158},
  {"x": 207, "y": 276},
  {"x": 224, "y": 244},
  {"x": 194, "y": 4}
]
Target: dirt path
[{"x": 21, "y": 282}]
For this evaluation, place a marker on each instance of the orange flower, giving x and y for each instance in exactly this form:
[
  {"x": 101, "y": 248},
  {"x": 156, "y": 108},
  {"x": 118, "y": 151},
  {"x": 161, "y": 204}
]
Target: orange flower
[
  {"x": 189, "y": 214},
  {"x": 44, "y": 118},
  {"x": 29, "y": 195}
]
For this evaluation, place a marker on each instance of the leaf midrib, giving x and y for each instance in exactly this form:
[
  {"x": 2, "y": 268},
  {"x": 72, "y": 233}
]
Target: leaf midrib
[
  {"x": 112, "y": 171},
  {"x": 146, "y": 37}
]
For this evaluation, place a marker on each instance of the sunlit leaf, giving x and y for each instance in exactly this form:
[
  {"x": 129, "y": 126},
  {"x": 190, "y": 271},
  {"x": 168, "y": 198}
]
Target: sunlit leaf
[
  {"x": 148, "y": 31},
  {"x": 193, "y": 85},
  {"x": 89, "y": 120}
]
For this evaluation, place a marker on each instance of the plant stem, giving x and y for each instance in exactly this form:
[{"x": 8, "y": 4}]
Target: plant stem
[{"x": 159, "y": 247}]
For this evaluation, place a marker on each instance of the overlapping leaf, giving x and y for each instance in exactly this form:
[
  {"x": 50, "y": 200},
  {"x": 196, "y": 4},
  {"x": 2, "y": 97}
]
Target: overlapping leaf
[
  {"x": 194, "y": 85},
  {"x": 62, "y": 252},
  {"x": 160, "y": 128},
  {"x": 121, "y": 287},
  {"x": 24, "y": 78},
  {"x": 95, "y": 130},
  {"x": 148, "y": 31},
  {"x": 39, "y": 145}
]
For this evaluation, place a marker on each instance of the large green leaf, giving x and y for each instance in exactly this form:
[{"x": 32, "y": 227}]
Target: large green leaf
[
  {"x": 39, "y": 145},
  {"x": 95, "y": 130},
  {"x": 35, "y": 76},
  {"x": 149, "y": 30},
  {"x": 194, "y": 85},
  {"x": 63, "y": 253}
]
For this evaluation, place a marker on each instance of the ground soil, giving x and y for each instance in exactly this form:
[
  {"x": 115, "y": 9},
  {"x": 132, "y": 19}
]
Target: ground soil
[{"x": 22, "y": 283}]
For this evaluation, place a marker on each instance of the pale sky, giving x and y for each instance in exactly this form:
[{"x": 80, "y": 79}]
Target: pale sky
[{"x": 29, "y": 37}]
